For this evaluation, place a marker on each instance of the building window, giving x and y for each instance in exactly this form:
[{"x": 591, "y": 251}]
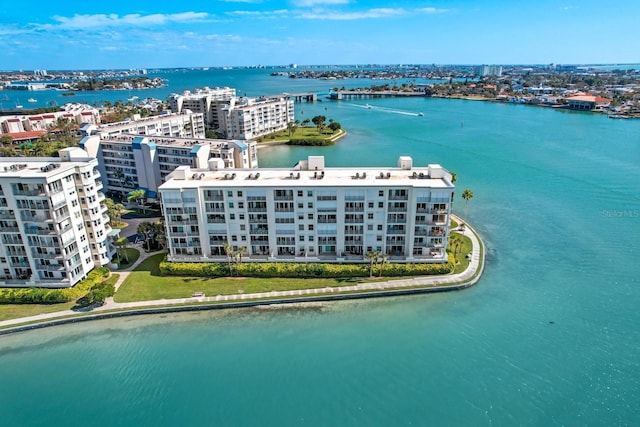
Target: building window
[
  {"x": 242, "y": 227},
  {"x": 241, "y": 216},
  {"x": 310, "y": 205},
  {"x": 370, "y": 205},
  {"x": 380, "y": 193},
  {"x": 301, "y": 227},
  {"x": 370, "y": 215},
  {"x": 301, "y": 238},
  {"x": 381, "y": 205},
  {"x": 309, "y": 193},
  {"x": 240, "y": 205},
  {"x": 232, "y": 216},
  {"x": 234, "y": 238},
  {"x": 310, "y": 227},
  {"x": 370, "y": 227},
  {"x": 239, "y": 193},
  {"x": 311, "y": 238},
  {"x": 299, "y": 193},
  {"x": 311, "y": 216},
  {"x": 230, "y": 205},
  {"x": 229, "y": 193},
  {"x": 244, "y": 238},
  {"x": 379, "y": 227},
  {"x": 300, "y": 205}
]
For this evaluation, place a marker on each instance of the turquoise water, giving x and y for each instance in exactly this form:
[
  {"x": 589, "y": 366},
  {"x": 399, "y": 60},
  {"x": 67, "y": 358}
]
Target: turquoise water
[{"x": 548, "y": 337}]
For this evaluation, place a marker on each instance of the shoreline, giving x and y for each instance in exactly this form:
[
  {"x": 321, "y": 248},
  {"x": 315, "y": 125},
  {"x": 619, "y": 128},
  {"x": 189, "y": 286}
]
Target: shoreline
[
  {"x": 396, "y": 287},
  {"x": 341, "y": 133}
]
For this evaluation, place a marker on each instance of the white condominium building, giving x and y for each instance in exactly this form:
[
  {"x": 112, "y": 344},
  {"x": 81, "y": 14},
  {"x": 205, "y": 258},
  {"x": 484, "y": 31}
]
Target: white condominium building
[
  {"x": 183, "y": 125},
  {"x": 76, "y": 113},
  {"x": 201, "y": 101},
  {"x": 54, "y": 227},
  {"x": 248, "y": 118},
  {"x": 236, "y": 117},
  {"x": 130, "y": 162},
  {"x": 309, "y": 213}
]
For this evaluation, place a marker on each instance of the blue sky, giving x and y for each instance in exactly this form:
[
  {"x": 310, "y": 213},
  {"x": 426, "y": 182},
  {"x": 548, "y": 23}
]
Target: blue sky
[{"x": 131, "y": 34}]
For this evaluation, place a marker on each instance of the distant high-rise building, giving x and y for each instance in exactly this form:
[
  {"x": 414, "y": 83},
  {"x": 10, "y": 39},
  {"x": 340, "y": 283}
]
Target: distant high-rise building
[{"x": 490, "y": 70}]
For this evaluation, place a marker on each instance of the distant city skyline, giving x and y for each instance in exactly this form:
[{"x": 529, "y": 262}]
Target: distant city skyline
[{"x": 305, "y": 32}]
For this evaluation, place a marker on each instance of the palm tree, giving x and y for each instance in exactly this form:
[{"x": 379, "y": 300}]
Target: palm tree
[
  {"x": 137, "y": 196},
  {"x": 467, "y": 195},
  {"x": 238, "y": 257},
  {"x": 122, "y": 246},
  {"x": 454, "y": 244},
  {"x": 372, "y": 257},
  {"x": 228, "y": 250},
  {"x": 383, "y": 259},
  {"x": 454, "y": 177},
  {"x": 119, "y": 175},
  {"x": 144, "y": 228}
]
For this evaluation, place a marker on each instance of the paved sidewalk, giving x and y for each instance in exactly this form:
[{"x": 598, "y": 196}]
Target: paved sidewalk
[{"x": 460, "y": 280}]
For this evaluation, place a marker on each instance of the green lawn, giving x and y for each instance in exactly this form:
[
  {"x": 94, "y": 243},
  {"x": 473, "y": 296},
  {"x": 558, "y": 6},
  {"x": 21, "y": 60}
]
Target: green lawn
[
  {"x": 14, "y": 311},
  {"x": 464, "y": 249},
  {"x": 133, "y": 255},
  {"x": 306, "y": 132},
  {"x": 146, "y": 283}
]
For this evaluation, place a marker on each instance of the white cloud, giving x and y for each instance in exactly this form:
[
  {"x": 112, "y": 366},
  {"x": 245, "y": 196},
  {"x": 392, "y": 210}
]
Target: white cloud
[
  {"x": 311, "y": 3},
  {"x": 259, "y": 14},
  {"x": 376, "y": 13},
  {"x": 112, "y": 20}
]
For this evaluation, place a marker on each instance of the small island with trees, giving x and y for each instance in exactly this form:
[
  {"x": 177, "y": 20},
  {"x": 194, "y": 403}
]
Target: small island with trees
[{"x": 322, "y": 133}]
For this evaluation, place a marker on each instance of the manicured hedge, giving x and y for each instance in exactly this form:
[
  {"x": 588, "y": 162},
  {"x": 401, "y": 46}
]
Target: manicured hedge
[
  {"x": 302, "y": 270},
  {"x": 53, "y": 296},
  {"x": 99, "y": 292},
  {"x": 311, "y": 142}
]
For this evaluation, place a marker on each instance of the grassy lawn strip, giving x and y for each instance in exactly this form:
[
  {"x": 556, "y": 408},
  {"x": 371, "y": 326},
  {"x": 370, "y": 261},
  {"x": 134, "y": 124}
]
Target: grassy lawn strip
[
  {"x": 14, "y": 311},
  {"x": 147, "y": 283},
  {"x": 133, "y": 255},
  {"x": 462, "y": 253}
]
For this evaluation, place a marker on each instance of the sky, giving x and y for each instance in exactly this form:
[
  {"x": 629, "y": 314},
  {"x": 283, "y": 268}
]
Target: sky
[{"x": 121, "y": 34}]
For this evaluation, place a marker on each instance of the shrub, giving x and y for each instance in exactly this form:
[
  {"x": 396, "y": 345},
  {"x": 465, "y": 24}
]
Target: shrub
[
  {"x": 301, "y": 270},
  {"x": 311, "y": 142},
  {"x": 53, "y": 296}
]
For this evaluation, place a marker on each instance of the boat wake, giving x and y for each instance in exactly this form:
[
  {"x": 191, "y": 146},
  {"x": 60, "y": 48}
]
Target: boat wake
[{"x": 387, "y": 110}]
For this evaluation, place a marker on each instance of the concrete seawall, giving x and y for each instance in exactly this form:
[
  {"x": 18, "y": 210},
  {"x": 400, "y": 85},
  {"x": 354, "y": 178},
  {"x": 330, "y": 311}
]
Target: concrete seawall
[{"x": 419, "y": 285}]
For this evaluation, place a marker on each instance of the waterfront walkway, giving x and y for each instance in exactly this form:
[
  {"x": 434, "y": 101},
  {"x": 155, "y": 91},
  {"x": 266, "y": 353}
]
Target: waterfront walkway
[{"x": 391, "y": 287}]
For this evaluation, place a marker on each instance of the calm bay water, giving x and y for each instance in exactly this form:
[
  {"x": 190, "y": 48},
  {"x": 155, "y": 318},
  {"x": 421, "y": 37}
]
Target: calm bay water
[{"x": 548, "y": 337}]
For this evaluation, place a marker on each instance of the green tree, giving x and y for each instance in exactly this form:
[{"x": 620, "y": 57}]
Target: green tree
[
  {"x": 145, "y": 228},
  {"x": 372, "y": 257},
  {"x": 228, "y": 250},
  {"x": 114, "y": 210},
  {"x": 121, "y": 245},
  {"x": 383, "y": 259},
  {"x": 319, "y": 121},
  {"x": 237, "y": 255},
  {"x": 137, "y": 196},
  {"x": 291, "y": 127},
  {"x": 467, "y": 195}
]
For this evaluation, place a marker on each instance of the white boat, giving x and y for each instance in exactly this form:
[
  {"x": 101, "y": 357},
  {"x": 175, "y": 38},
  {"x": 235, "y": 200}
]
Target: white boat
[
  {"x": 420, "y": 114},
  {"x": 32, "y": 100},
  {"x": 367, "y": 106}
]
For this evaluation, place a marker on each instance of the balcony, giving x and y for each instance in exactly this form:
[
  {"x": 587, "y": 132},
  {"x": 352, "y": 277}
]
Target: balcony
[
  {"x": 38, "y": 231},
  {"x": 30, "y": 193}
]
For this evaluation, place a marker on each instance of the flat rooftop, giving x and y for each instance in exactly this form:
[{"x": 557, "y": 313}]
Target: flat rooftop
[
  {"x": 329, "y": 177},
  {"x": 35, "y": 167}
]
